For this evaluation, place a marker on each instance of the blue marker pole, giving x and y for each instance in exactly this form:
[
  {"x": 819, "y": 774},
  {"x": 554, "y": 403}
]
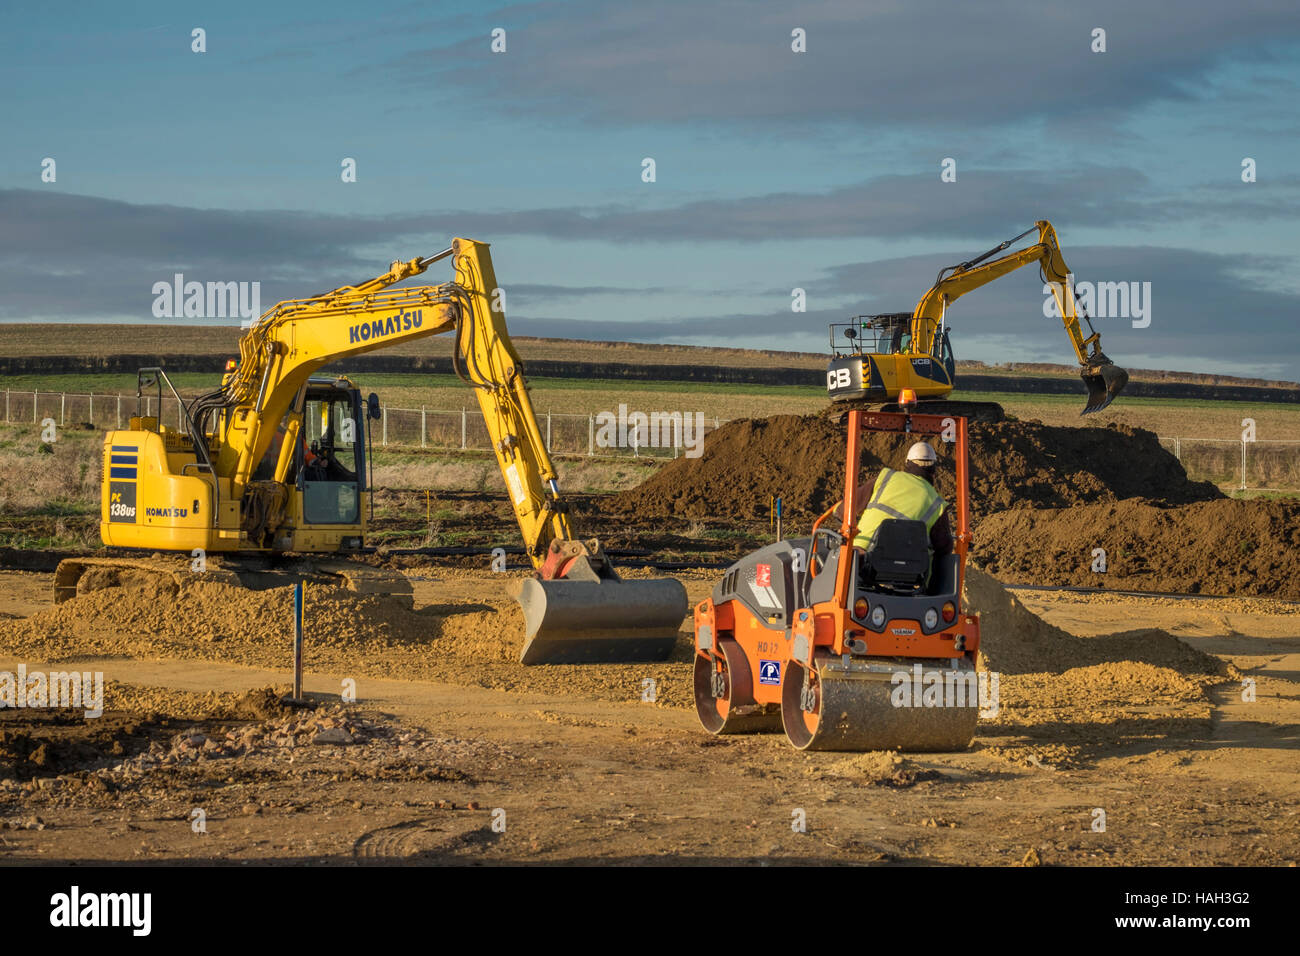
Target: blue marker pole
[
  {"x": 778, "y": 519},
  {"x": 297, "y": 641}
]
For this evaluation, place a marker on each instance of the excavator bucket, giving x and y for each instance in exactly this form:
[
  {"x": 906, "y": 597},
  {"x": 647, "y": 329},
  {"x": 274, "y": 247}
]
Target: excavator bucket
[
  {"x": 605, "y": 621},
  {"x": 1104, "y": 382}
]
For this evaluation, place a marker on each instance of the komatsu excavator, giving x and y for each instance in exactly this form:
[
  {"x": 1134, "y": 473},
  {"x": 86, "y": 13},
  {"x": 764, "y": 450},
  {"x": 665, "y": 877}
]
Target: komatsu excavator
[
  {"x": 274, "y": 462},
  {"x": 887, "y": 353}
]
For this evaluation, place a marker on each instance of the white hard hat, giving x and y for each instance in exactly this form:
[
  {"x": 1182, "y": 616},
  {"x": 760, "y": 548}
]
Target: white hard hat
[{"x": 922, "y": 453}]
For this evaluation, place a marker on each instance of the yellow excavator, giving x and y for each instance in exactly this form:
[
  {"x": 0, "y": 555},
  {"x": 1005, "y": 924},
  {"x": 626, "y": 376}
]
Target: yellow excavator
[
  {"x": 888, "y": 353},
  {"x": 274, "y": 463}
]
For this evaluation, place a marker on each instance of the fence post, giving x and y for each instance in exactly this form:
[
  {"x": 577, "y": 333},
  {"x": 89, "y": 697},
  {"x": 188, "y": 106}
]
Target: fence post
[
  {"x": 463, "y": 423},
  {"x": 424, "y": 426},
  {"x": 1178, "y": 448},
  {"x": 91, "y": 399},
  {"x": 6, "y": 406},
  {"x": 119, "y": 409},
  {"x": 591, "y": 435},
  {"x": 1243, "y": 464},
  {"x": 384, "y": 439},
  {"x": 34, "y": 394},
  {"x": 63, "y": 411},
  {"x": 548, "y": 432}
]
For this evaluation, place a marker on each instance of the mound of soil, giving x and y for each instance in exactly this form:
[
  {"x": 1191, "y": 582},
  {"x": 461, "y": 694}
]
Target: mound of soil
[
  {"x": 1015, "y": 640},
  {"x": 1013, "y": 465},
  {"x": 210, "y": 611},
  {"x": 1212, "y": 547},
  {"x": 1063, "y": 700},
  {"x": 881, "y": 768}
]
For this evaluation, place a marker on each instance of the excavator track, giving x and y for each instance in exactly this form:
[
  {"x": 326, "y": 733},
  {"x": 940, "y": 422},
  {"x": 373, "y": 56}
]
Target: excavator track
[{"x": 972, "y": 411}]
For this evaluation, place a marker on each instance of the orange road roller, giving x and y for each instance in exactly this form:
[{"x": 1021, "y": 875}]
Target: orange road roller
[{"x": 848, "y": 648}]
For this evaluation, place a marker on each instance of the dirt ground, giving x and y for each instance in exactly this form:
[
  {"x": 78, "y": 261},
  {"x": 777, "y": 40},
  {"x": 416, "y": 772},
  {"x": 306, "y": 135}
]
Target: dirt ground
[{"x": 1112, "y": 705}]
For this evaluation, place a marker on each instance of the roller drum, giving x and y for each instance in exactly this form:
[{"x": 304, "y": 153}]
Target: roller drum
[
  {"x": 724, "y": 699},
  {"x": 855, "y": 711}
]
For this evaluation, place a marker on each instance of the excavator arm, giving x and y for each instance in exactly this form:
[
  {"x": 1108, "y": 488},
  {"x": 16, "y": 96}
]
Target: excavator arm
[
  {"x": 298, "y": 337},
  {"x": 567, "y": 616},
  {"x": 1103, "y": 378}
]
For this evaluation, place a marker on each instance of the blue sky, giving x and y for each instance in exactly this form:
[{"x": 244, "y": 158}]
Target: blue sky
[{"x": 774, "y": 169}]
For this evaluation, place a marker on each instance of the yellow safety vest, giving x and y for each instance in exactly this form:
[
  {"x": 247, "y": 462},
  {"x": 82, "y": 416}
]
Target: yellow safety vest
[{"x": 898, "y": 495}]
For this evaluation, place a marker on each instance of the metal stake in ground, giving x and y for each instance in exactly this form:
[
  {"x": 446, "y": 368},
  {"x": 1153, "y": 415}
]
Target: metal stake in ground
[{"x": 297, "y": 641}]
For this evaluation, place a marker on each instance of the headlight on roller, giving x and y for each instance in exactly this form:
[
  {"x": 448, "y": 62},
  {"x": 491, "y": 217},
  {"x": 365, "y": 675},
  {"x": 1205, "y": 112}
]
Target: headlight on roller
[
  {"x": 878, "y": 616},
  {"x": 931, "y": 619}
]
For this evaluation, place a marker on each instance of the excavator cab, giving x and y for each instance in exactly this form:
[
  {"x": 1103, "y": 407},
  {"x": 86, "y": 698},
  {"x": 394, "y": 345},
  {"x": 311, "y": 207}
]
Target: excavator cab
[
  {"x": 331, "y": 456},
  {"x": 325, "y": 462}
]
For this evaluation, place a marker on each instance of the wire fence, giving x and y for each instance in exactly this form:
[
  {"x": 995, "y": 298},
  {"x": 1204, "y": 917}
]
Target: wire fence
[
  {"x": 1247, "y": 465},
  {"x": 607, "y": 434}
]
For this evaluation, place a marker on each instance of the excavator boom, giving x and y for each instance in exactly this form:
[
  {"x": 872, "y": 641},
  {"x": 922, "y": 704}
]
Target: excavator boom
[{"x": 1103, "y": 379}]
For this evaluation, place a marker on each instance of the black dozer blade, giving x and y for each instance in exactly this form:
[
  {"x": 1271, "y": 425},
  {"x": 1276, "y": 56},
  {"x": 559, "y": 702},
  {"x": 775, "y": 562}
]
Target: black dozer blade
[{"x": 1104, "y": 380}]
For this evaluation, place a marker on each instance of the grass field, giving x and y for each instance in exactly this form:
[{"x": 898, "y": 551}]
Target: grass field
[
  {"x": 49, "y": 496},
  {"x": 1183, "y": 418},
  {"x": 25, "y": 339},
  {"x": 22, "y": 339}
]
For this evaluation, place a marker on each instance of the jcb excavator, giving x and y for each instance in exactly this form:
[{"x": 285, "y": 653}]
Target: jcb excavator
[
  {"x": 913, "y": 352},
  {"x": 274, "y": 462}
]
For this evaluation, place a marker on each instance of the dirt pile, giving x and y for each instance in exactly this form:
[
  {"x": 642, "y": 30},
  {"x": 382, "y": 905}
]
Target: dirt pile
[
  {"x": 466, "y": 643},
  {"x": 1213, "y": 547},
  {"x": 208, "y": 611},
  {"x": 880, "y": 768},
  {"x": 1013, "y": 465},
  {"x": 1015, "y": 640},
  {"x": 1063, "y": 699}
]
